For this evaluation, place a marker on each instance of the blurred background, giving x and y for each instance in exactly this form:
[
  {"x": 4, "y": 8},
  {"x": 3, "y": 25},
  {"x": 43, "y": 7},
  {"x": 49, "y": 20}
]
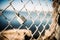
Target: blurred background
[{"x": 38, "y": 14}]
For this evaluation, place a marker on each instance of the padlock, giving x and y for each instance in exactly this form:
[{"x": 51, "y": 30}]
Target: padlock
[{"x": 21, "y": 19}]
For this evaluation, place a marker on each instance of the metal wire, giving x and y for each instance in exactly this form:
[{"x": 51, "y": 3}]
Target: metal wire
[{"x": 29, "y": 15}]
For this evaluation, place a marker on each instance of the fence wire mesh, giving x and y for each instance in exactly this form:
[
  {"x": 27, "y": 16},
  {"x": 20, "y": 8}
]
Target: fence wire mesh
[{"x": 34, "y": 15}]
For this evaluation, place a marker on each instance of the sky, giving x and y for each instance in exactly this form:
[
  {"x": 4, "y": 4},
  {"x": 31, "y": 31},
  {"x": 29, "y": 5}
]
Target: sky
[{"x": 46, "y": 5}]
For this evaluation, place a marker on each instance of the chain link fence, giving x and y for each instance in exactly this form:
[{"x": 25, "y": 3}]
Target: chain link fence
[{"x": 34, "y": 15}]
